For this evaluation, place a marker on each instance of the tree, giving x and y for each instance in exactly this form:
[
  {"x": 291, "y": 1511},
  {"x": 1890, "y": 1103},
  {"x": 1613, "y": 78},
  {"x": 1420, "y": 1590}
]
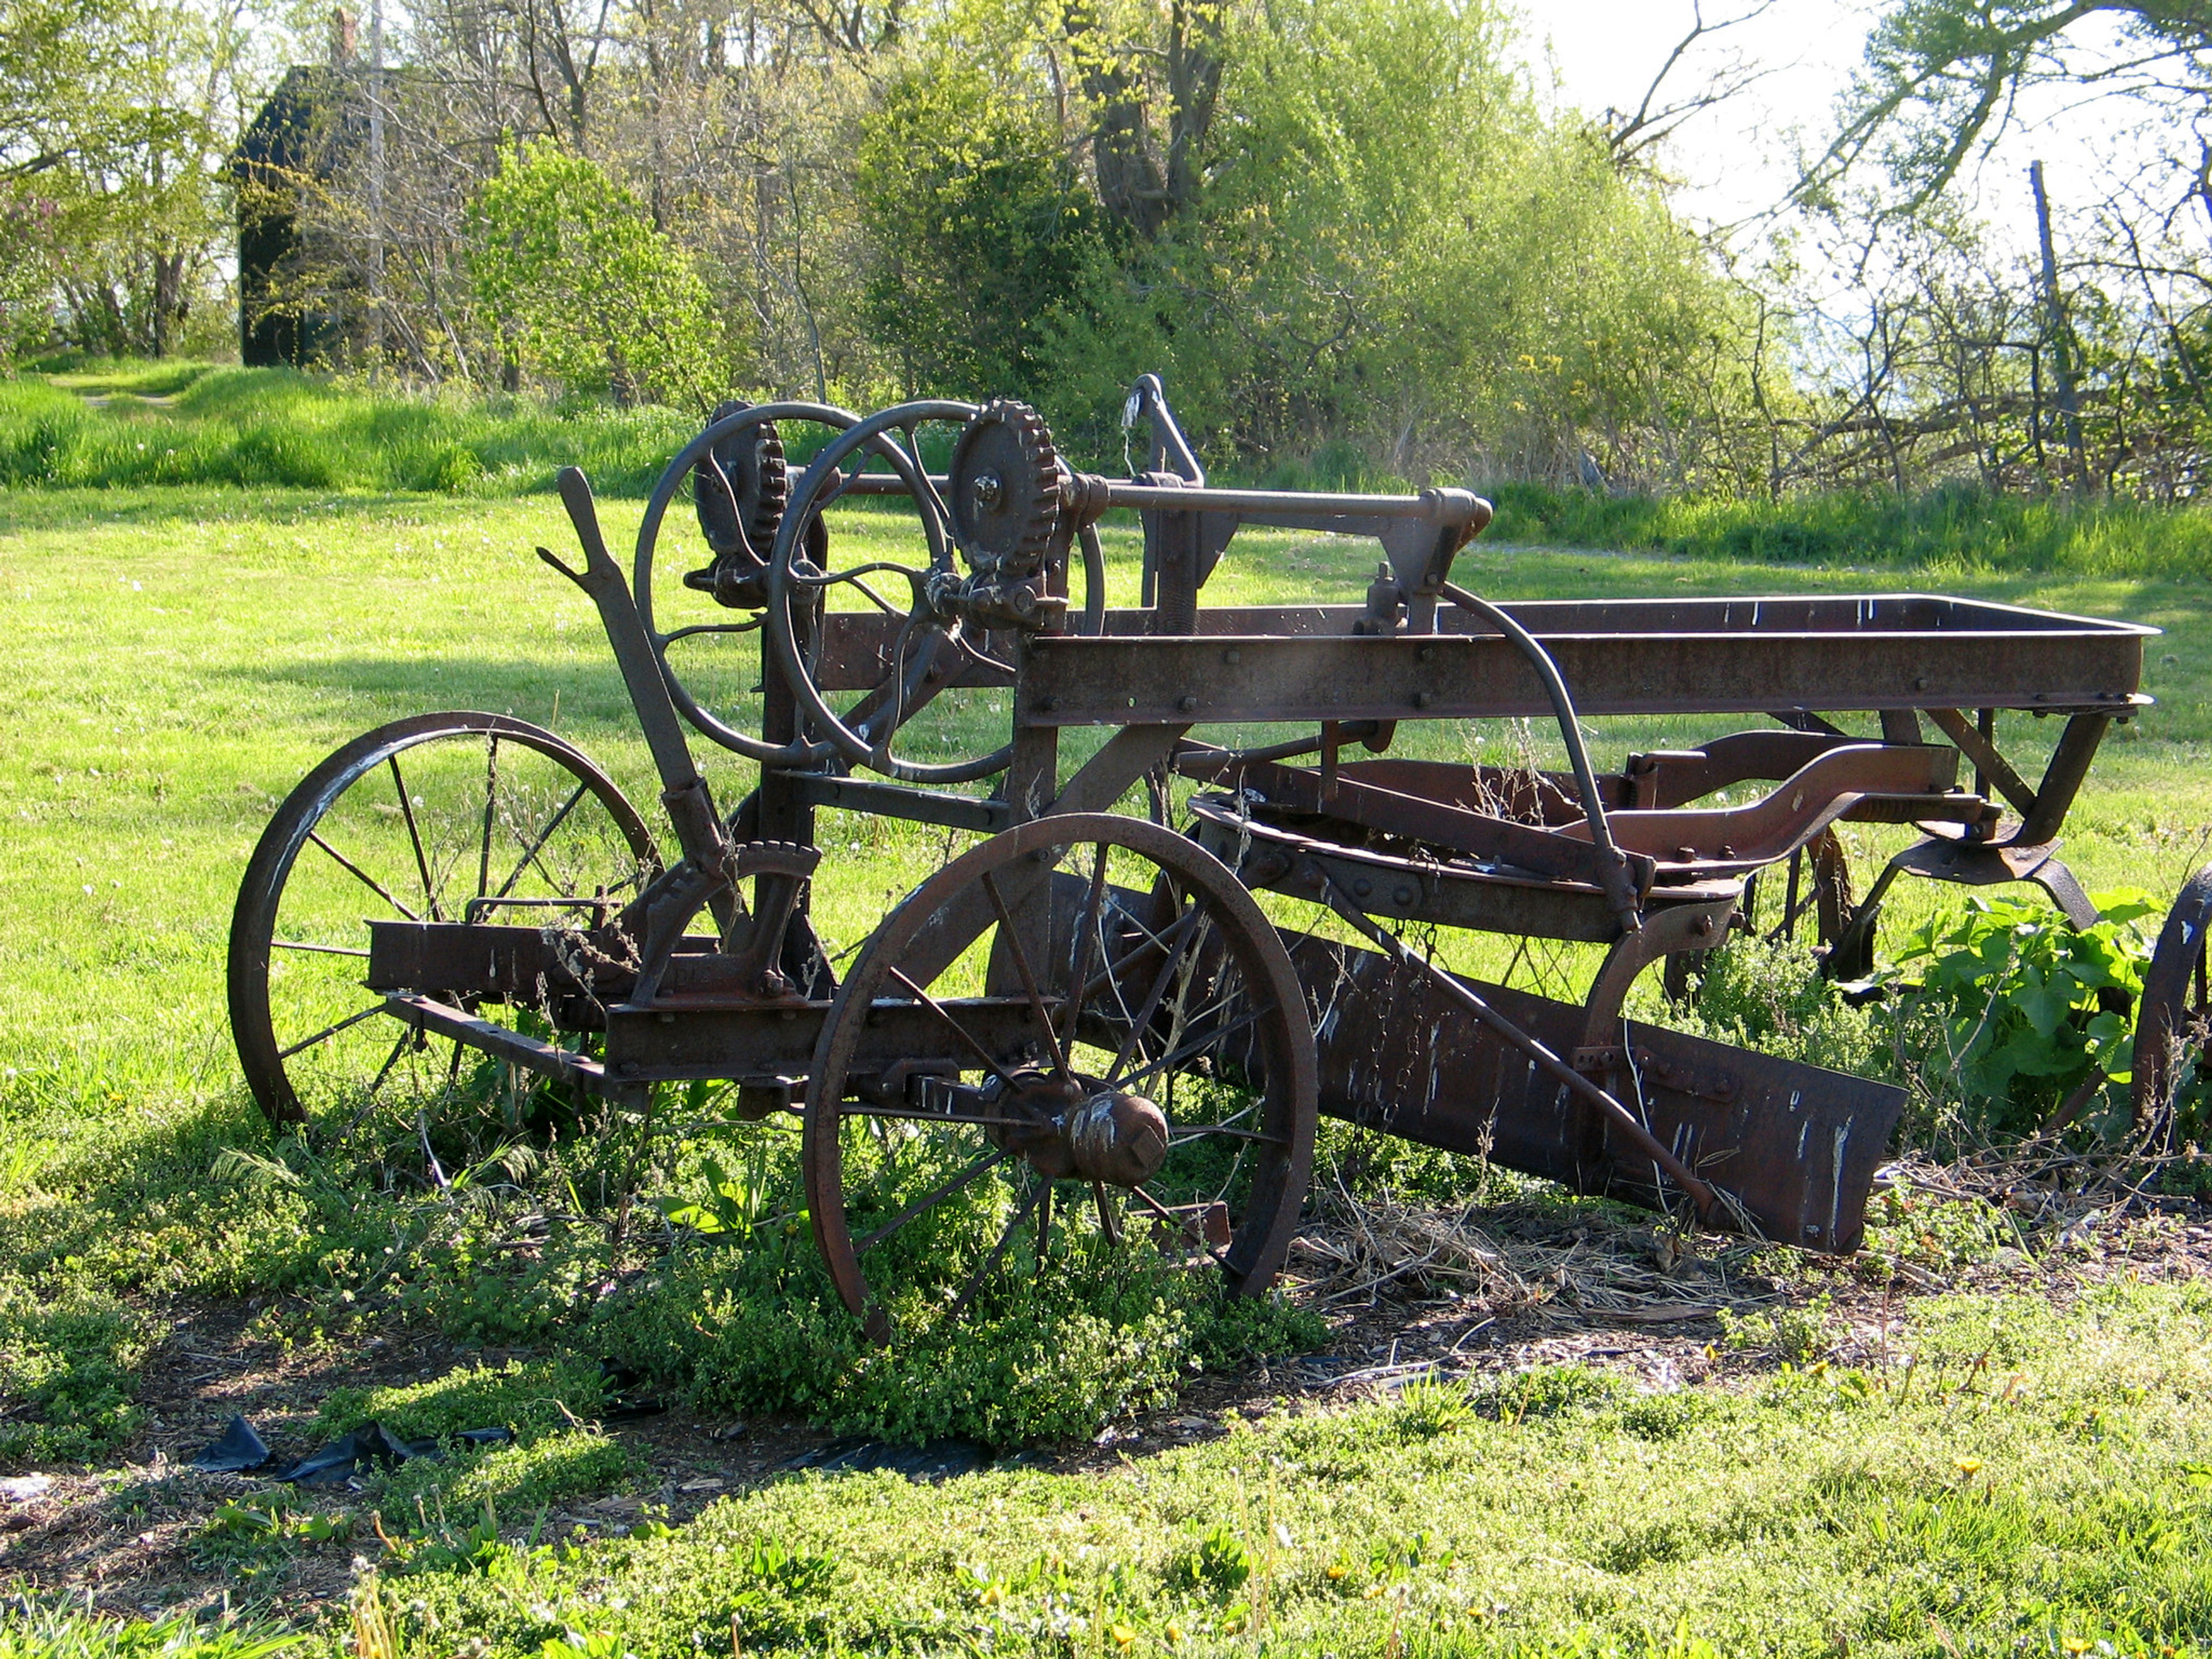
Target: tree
[
  {"x": 115, "y": 116},
  {"x": 590, "y": 292},
  {"x": 981, "y": 228},
  {"x": 1944, "y": 78}
]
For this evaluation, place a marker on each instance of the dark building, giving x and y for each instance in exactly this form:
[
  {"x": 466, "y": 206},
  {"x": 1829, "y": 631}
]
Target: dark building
[{"x": 292, "y": 304}]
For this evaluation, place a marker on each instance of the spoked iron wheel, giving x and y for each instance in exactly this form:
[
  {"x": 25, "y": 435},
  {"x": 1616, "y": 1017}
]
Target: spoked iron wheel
[
  {"x": 442, "y": 818},
  {"x": 2173, "y": 1021},
  {"x": 1081, "y": 1037}
]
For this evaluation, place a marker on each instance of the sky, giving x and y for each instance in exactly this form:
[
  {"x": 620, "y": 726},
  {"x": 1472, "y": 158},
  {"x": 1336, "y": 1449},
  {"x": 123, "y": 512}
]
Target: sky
[
  {"x": 1733, "y": 162},
  {"x": 1736, "y": 161}
]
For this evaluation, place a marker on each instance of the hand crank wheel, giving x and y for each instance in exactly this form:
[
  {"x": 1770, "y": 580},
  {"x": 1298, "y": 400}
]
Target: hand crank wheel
[
  {"x": 443, "y": 818},
  {"x": 1081, "y": 1035}
]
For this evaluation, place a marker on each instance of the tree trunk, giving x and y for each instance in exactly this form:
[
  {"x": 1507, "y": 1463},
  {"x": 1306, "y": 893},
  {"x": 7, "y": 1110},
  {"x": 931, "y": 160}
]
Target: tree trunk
[{"x": 2062, "y": 352}]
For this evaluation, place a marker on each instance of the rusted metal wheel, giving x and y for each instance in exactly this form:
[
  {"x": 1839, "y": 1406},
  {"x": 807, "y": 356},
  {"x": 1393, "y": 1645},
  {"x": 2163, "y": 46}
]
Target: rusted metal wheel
[
  {"x": 441, "y": 818},
  {"x": 706, "y": 627},
  {"x": 2174, "y": 1018},
  {"x": 1083, "y": 1035}
]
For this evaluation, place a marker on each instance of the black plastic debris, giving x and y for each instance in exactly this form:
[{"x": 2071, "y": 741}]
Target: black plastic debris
[
  {"x": 238, "y": 1450},
  {"x": 371, "y": 1446},
  {"x": 934, "y": 1460}
]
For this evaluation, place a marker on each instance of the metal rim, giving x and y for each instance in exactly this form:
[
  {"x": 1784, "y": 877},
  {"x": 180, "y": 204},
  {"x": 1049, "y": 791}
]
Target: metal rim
[
  {"x": 709, "y": 726},
  {"x": 2175, "y": 1014},
  {"x": 254, "y": 916},
  {"x": 1199, "y": 928},
  {"x": 787, "y": 587}
]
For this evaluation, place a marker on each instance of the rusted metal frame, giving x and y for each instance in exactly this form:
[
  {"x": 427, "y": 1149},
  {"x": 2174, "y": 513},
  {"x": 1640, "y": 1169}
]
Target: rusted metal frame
[
  {"x": 2062, "y": 779},
  {"x": 1768, "y": 830},
  {"x": 1799, "y": 1146},
  {"x": 1708, "y": 1202},
  {"x": 1114, "y": 681},
  {"x": 1539, "y": 851},
  {"x": 2100, "y": 658},
  {"x": 1269, "y": 857},
  {"x": 1662, "y": 778},
  {"x": 1670, "y": 933},
  {"x": 943, "y": 808},
  {"x": 721, "y": 1039},
  {"x": 1988, "y": 763},
  {"x": 562, "y": 1065},
  {"x": 1614, "y": 873}
]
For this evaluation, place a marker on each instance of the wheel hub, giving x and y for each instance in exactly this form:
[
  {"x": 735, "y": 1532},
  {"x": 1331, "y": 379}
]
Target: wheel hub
[{"x": 1080, "y": 1129}]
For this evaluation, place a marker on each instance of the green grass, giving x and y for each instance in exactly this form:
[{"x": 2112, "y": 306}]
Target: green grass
[
  {"x": 195, "y": 424},
  {"x": 2027, "y": 1482},
  {"x": 1953, "y": 528}
]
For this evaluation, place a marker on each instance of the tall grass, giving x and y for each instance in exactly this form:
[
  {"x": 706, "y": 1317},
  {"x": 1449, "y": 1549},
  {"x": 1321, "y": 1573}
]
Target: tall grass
[
  {"x": 177, "y": 425},
  {"x": 171, "y": 424},
  {"x": 1956, "y": 526}
]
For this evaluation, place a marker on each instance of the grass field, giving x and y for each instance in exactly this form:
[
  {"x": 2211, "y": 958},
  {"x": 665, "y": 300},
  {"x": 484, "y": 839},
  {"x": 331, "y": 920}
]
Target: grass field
[{"x": 2032, "y": 1480}]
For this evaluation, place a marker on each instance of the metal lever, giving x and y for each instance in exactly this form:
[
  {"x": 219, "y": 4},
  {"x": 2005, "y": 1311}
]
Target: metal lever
[{"x": 683, "y": 790}]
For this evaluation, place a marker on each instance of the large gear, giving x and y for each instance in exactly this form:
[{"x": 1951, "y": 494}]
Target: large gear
[
  {"x": 745, "y": 519},
  {"x": 1004, "y": 489}
]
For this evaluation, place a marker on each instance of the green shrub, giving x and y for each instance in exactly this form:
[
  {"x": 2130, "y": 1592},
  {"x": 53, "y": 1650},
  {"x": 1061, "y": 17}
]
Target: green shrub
[
  {"x": 68, "y": 1364},
  {"x": 532, "y": 1399},
  {"x": 2019, "y": 1007}
]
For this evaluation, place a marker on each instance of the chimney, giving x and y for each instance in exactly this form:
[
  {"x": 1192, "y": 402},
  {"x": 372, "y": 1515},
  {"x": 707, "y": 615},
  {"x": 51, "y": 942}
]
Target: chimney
[{"x": 340, "y": 37}]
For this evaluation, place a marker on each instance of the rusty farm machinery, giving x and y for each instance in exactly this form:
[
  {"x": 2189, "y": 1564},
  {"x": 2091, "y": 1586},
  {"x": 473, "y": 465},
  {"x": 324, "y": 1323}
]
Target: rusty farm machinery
[{"x": 1203, "y": 899}]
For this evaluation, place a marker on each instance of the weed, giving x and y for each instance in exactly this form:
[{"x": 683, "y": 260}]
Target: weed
[
  {"x": 1798, "y": 1334},
  {"x": 1431, "y": 1405},
  {"x": 1214, "y": 1562},
  {"x": 2026, "y": 1006}
]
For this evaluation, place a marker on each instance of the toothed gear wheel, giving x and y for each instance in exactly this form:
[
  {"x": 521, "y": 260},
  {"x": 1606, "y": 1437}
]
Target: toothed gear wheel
[
  {"x": 751, "y": 458},
  {"x": 1003, "y": 487}
]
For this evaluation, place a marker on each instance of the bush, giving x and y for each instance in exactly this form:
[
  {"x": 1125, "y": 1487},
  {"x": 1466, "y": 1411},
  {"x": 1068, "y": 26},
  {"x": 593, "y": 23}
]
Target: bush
[{"x": 2013, "y": 1007}]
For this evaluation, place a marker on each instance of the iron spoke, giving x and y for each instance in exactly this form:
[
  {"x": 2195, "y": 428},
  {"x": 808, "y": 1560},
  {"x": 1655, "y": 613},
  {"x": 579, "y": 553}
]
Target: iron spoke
[
  {"x": 1020, "y": 956},
  {"x": 362, "y": 876},
  {"x": 1086, "y": 931},
  {"x": 329, "y": 1031},
  {"x": 319, "y": 949},
  {"x": 958, "y": 1029},
  {"x": 1172, "y": 958},
  {"x": 538, "y": 846},
  {"x": 983, "y": 1267},
  {"x": 893, "y": 1113},
  {"x": 415, "y": 835},
  {"x": 1169, "y": 1061},
  {"x": 491, "y": 808},
  {"x": 1107, "y": 1224}
]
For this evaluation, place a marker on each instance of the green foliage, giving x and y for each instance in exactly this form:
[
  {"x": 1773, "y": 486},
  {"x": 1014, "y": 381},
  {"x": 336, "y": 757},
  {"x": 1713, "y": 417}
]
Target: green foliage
[
  {"x": 1213, "y": 1561},
  {"x": 1798, "y": 1333},
  {"x": 982, "y": 228},
  {"x": 1431, "y": 1406},
  {"x": 1545, "y": 1391},
  {"x": 36, "y": 1628},
  {"x": 530, "y": 1397},
  {"x": 1770, "y": 996},
  {"x": 69, "y": 1361},
  {"x": 586, "y": 289},
  {"x": 2027, "y": 1007}
]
